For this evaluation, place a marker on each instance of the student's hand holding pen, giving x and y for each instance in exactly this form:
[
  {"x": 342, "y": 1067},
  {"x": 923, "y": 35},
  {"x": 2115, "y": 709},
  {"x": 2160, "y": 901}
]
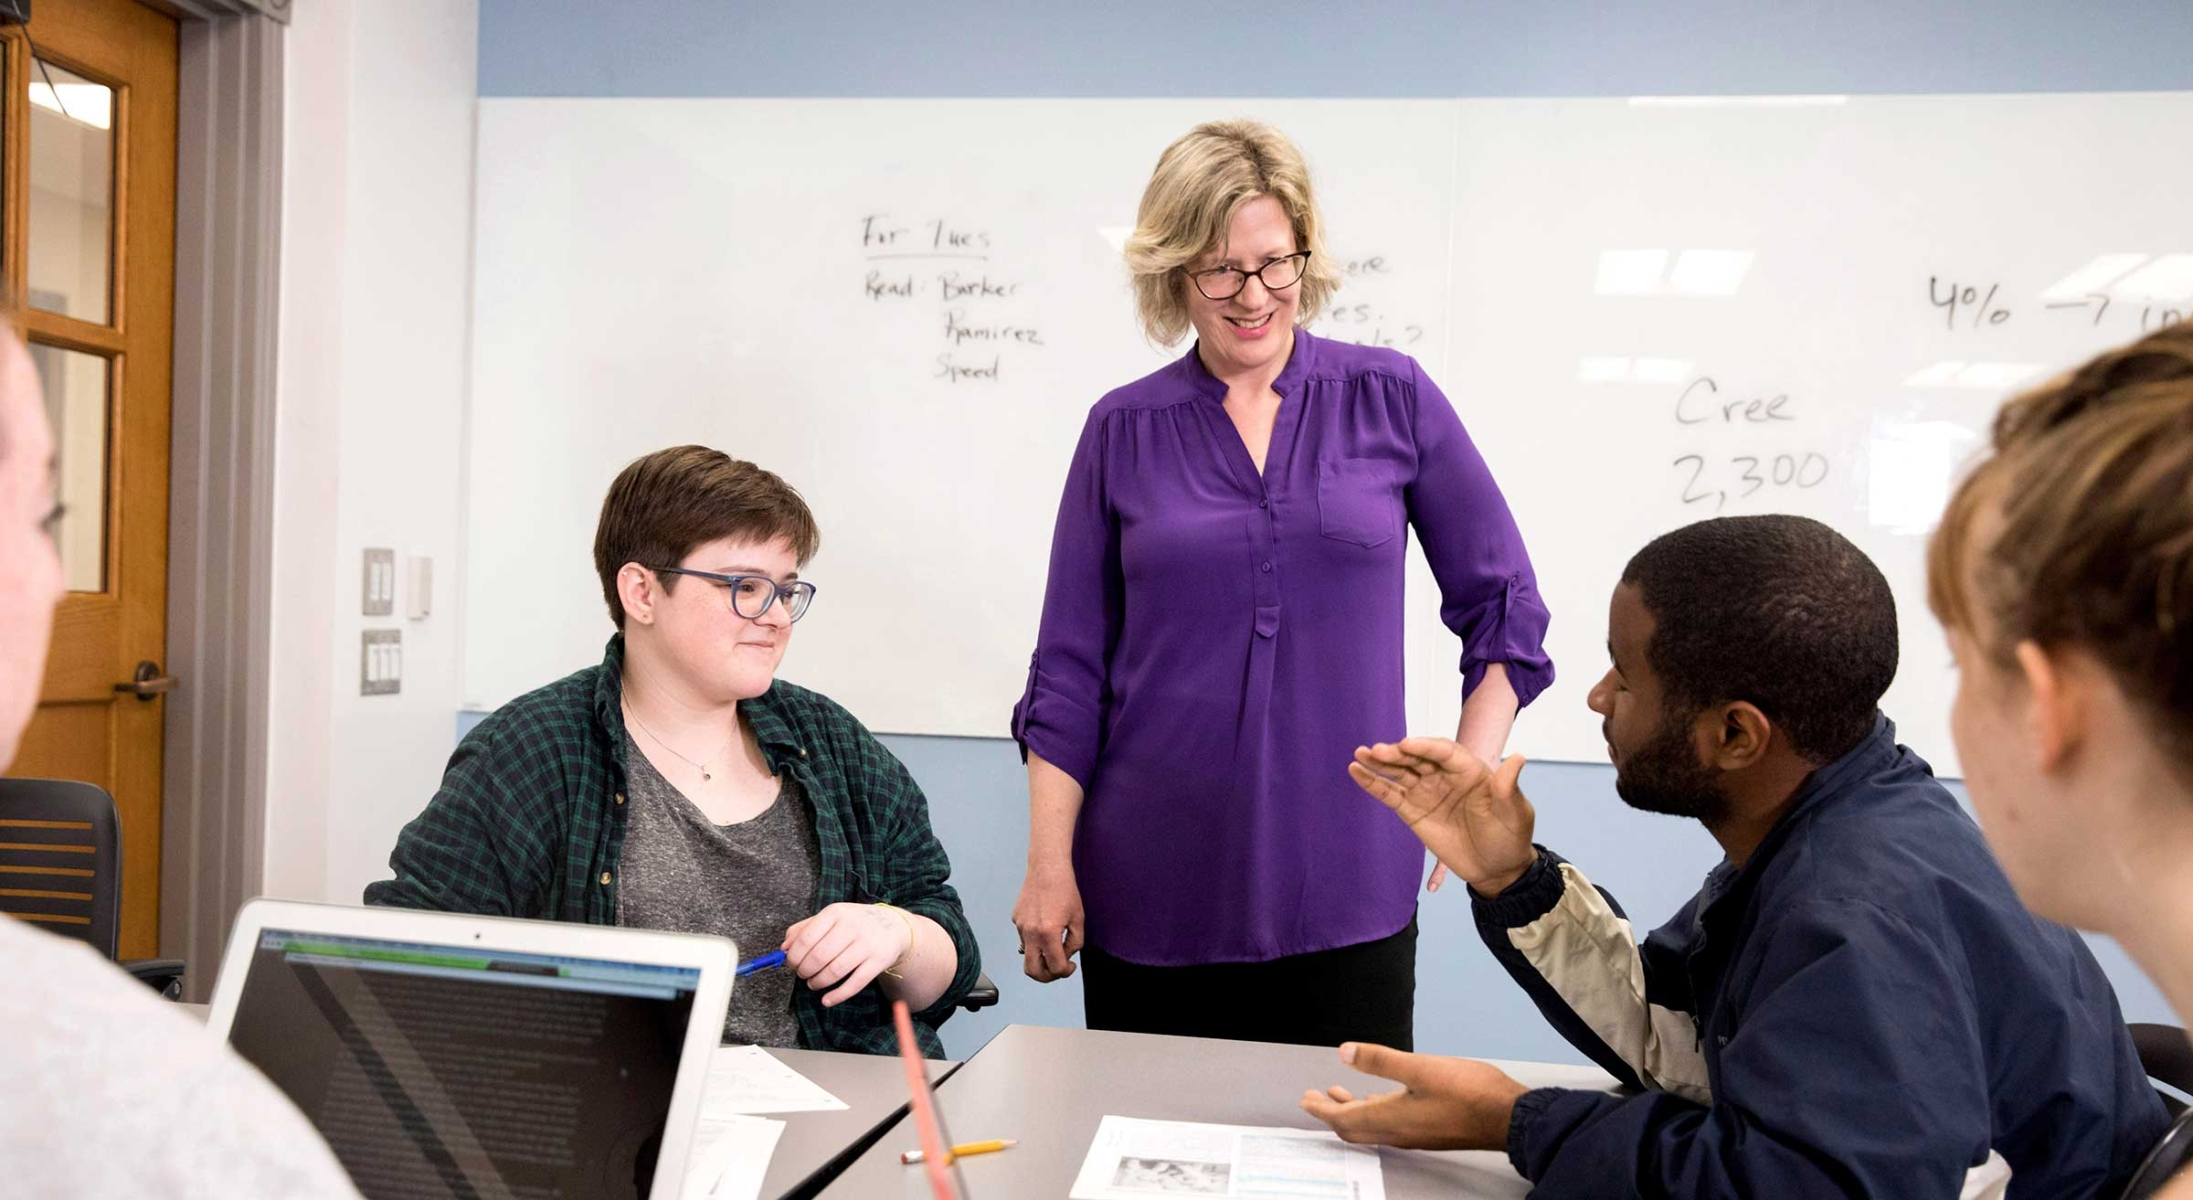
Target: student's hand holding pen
[{"x": 845, "y": 946}]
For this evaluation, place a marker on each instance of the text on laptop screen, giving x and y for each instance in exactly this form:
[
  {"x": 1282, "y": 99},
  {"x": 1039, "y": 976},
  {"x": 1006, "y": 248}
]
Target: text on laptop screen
[{"x": 437, "y": 1070}]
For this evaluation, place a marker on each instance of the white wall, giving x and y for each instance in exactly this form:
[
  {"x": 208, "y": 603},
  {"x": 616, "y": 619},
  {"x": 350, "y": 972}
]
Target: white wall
[{"x": 375, "y": 326}]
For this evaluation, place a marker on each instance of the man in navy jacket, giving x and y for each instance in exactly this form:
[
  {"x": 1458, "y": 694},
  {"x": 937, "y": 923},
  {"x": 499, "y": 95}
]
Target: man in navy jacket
[{"x": 1855, "y": 1003}]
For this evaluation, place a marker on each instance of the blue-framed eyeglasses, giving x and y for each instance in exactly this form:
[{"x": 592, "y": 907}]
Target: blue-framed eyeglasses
[{"x": 751, "y": 595}]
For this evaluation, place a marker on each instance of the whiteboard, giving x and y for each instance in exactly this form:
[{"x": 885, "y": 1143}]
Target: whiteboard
[{"x": 906, "y": 308}]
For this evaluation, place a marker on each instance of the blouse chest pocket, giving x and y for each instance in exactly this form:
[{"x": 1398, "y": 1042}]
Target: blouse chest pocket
[{"x": 1356, "y": 501}]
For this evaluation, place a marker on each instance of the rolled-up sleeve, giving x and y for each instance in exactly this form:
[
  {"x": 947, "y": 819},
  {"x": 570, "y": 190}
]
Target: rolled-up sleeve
[
  {"x": 1488, "y": 590},
  {"x": 1061, "y": 712}
]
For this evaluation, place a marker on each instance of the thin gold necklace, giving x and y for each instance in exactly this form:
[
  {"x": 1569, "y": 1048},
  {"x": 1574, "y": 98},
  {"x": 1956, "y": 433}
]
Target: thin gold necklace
[{"x": 702, "y": 766}]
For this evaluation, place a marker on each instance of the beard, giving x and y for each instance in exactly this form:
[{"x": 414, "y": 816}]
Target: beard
[{"x": 1664, "y": 776}]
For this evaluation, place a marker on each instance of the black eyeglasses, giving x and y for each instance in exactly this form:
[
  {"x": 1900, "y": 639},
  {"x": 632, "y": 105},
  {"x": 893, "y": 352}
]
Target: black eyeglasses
[
  {"x": 751, "y": 595},
  {"x": 1225, "y": 283}
]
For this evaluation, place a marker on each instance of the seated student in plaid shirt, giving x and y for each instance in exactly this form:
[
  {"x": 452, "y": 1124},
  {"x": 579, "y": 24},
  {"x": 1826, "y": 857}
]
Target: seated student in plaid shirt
[{"x": 680, "y": 785}]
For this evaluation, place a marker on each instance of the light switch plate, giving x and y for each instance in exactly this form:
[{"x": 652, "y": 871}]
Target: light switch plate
[
  {"x": 419, "y": 600},
  {"x": 380, "y": 583},
  {"x": 381, "y": 662}
]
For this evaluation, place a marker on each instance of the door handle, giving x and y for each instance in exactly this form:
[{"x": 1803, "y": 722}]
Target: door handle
[{"x": 148, "y": 682}]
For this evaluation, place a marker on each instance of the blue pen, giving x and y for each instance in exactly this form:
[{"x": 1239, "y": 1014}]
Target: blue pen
[{"x": 775, "y": 958}]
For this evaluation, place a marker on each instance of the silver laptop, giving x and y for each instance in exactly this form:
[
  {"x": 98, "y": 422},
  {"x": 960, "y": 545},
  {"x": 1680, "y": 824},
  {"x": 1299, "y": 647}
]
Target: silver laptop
[{"x": 444, "y": 1055}]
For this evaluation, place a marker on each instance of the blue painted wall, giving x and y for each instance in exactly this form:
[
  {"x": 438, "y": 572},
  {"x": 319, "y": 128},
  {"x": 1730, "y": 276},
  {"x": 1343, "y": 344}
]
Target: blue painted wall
[
  {"x": 1326, "y": 48},
  {"x": 977, "y": 791}
]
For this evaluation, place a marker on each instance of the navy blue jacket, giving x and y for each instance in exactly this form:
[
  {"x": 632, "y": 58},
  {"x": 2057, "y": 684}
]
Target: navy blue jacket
[{"x": 1863, "y": 1009}]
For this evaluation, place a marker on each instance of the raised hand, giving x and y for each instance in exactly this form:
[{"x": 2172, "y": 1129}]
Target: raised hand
[{"x": 1472, "y": 816}]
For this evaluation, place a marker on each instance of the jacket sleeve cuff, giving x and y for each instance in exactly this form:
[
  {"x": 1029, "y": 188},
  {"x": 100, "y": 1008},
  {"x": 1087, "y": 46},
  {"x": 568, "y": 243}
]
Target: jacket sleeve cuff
[
  {"x": 1529, "y": 1107},
  {"x": 1530, "y": 897}
]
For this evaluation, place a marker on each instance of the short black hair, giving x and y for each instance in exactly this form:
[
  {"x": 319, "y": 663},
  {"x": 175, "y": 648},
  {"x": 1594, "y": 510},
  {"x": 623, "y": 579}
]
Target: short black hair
[{"x": 1779, "y": 611}]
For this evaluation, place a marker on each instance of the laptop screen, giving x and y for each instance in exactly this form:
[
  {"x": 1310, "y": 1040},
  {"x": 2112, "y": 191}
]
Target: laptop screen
[{"x": 437, "y": 1070}]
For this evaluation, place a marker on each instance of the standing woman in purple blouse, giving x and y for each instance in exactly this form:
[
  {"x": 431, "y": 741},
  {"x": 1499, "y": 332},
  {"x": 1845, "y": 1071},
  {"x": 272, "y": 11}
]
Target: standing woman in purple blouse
[{"x": 1223, "y": 627}]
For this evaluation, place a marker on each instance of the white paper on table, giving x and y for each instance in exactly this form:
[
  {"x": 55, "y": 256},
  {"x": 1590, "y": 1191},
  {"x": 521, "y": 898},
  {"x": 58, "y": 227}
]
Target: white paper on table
[
  {"x": 749, "y": 1079},
  {"x": 730, "y": 1157},
  {"x": 1133, "y": 1159}
]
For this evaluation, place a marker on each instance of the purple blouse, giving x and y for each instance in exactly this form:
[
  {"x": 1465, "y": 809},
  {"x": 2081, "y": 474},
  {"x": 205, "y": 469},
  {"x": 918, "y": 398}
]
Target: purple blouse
[{"x": 1215, "y": 644}]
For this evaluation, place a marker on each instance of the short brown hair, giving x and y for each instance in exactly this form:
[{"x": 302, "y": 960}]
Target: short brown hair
[
  {"x": 2092, "y": 478},
  {"x": 1201, "y": 181},
  {"x": 664, "y": 504}
]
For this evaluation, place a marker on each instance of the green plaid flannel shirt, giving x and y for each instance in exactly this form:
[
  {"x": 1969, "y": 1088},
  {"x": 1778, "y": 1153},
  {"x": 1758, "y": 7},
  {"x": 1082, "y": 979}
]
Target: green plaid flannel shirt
[{"x": 530, "y": 820}]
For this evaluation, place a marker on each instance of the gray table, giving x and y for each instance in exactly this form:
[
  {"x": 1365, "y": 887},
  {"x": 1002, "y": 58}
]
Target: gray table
[
  {"x": 1049, "y": 1088},
  {"x": 809, "y": 1150}
]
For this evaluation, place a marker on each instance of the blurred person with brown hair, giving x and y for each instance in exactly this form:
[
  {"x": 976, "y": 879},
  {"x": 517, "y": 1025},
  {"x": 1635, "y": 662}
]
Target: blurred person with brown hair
[{"x": 2063, "y": 574}]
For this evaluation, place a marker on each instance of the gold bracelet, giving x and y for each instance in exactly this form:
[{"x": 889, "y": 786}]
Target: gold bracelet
[{"x": 911, "y": 936}]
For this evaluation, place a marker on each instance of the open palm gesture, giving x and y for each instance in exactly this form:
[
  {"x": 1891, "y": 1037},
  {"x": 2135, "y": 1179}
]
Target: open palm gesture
[{"x": 1472, "y": 816}]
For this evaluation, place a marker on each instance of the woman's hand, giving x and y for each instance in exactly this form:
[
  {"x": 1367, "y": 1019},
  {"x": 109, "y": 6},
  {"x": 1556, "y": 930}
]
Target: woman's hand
[
  {"x": 1048, "y": 918},
  {"x": 847, "y": 945}
]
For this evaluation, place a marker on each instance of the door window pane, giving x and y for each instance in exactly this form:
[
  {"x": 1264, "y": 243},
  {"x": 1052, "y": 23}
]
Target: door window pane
[
  {"x": 71, "y": 192},
  {"x": 76, "y": 386}
]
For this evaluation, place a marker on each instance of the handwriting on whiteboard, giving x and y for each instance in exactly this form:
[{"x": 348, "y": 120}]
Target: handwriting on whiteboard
[
  {"x": 1720, "y": 476},
  {"x": 1362, "y": 315},
  {"x": 946, "y": 263},
  {"x": 1970, "y": 305}
]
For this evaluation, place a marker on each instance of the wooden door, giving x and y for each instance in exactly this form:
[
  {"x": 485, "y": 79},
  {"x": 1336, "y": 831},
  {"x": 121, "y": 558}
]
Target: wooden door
[{"x": 87, "y": 248}]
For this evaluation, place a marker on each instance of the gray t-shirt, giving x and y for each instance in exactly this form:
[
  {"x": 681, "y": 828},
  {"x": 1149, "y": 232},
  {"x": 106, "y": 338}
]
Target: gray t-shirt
[
  {"x": 108, "y": 1090},
  {"x": 748, "y": 882}
]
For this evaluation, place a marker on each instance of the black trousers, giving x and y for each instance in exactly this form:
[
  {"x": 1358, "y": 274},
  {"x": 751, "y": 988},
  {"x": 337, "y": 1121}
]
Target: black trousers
[{"x": 1360, "y": 993}]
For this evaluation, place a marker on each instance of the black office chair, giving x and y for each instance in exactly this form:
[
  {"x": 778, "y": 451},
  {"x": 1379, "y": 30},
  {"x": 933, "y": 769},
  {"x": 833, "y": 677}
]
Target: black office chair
[
  {"x": 981, "y": 996},
  {"x": 61, "y": 869},
  {"x": 2167, "y": 1057}
]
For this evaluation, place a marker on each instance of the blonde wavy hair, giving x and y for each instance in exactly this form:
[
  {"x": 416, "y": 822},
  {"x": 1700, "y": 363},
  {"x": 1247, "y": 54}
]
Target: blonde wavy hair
[
  {"x": 1200, "y": 182},
  {"x": 2077, "y": 530}
]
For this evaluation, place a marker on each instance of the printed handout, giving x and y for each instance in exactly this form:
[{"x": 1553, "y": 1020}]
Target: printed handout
[{"x": 1133, "y": 1159}]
